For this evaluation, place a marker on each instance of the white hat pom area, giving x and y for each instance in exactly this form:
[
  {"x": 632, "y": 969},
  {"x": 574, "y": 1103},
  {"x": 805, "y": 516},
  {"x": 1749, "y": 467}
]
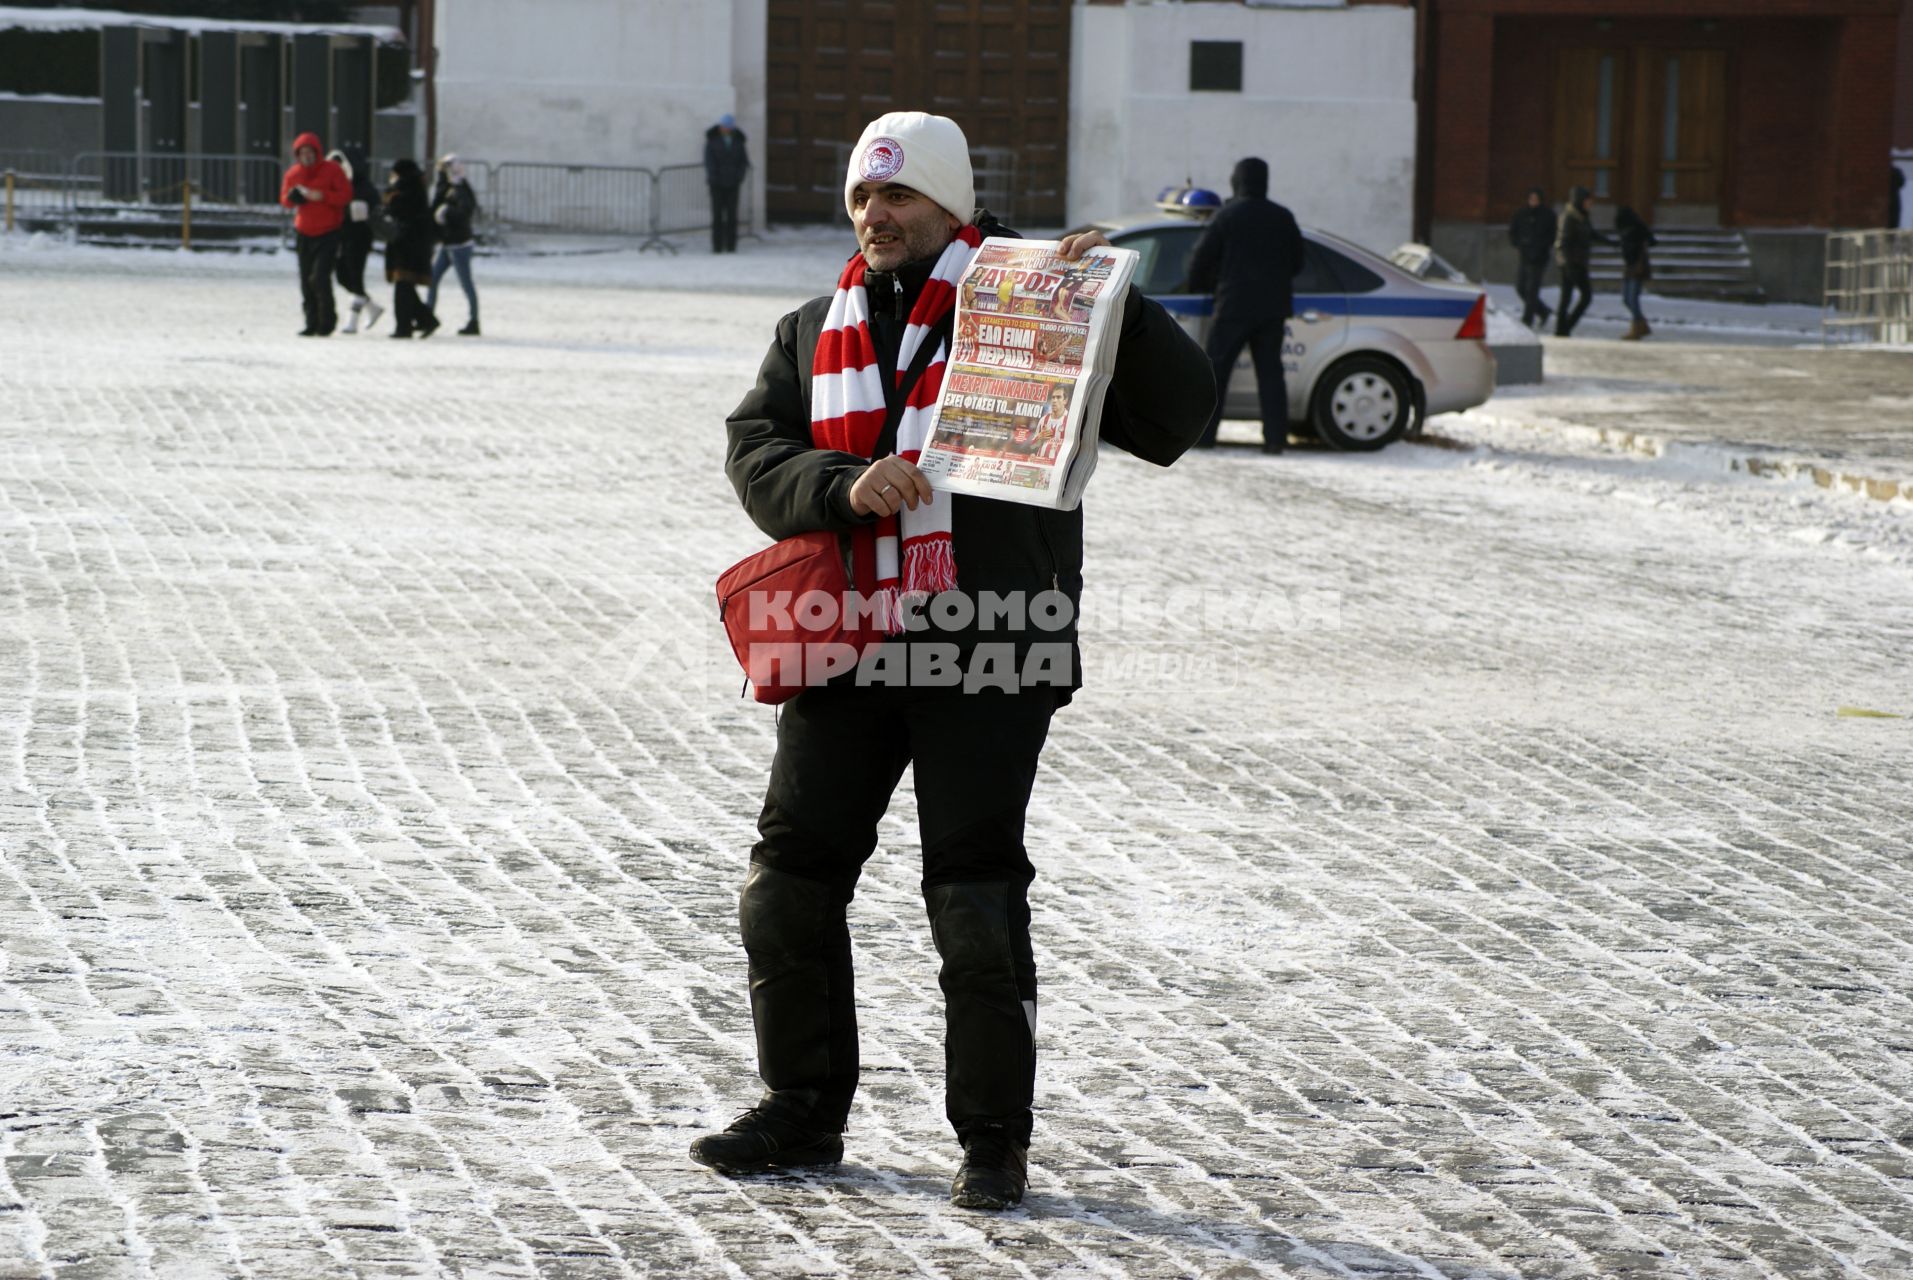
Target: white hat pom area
[{"x": 917, "y": 150}]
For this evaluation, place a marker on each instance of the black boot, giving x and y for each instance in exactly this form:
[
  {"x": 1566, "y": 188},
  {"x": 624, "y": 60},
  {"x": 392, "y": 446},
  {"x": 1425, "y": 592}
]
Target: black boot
[
  {"x": 759, "y": 1140},
  {"x": 982, "y": 931},
  {"x": 471, "y": 328},
  {"x": 805, "y": 1015},
  {"x": 994, "y": 1172}
]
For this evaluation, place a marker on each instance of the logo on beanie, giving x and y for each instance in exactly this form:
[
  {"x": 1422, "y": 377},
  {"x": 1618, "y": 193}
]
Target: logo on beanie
[{"x": 883, "y": 160}]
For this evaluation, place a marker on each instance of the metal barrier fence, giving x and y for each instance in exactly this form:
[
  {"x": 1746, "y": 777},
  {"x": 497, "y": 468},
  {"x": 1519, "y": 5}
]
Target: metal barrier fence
[
  {"x": 107, "y": 181},
  {"x": 514, "y": 196},
  {"x": 34, "y": 185},
  {"x": 683, "y": 204},
  {"x": 995, "y": 171},
  {"x": 1869, "y": 287},
  {"x": 573, "y": 199},
  {"x": 589, "y": 198}
]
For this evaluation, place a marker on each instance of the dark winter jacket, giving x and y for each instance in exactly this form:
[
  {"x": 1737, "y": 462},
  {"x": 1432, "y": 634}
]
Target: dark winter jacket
[
  {"x": 1574, "y": 242},
  {"x": 1158, "y": 403},
  {"x": 725, "y": 160},
  {"x": 1532, "y": 231},
  {"x": 356, "y": 230},
  {"x": 1635, "y": 239},
  {"x": 1250, "y": 253},
  {"x": 358, "y": 170},
  {"x": 454, "y": 208},
  {"x": 322, "y": 216},
  {"x": 408, "y": 254}
]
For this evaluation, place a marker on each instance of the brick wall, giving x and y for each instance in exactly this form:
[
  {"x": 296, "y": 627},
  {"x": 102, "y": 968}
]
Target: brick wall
[
  {"x": 1867, "y": 61},
  {"x": 1903, "y": 115},
  {"x": 1779, "y": 161}
]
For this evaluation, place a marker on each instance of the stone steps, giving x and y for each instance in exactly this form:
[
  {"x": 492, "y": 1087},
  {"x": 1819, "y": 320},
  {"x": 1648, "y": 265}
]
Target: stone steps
[{"x": 1689, "y": 262}]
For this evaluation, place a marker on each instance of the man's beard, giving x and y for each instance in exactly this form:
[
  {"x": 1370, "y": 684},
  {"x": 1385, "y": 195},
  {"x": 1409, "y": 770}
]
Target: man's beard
[{"x": 918, "y": 243}]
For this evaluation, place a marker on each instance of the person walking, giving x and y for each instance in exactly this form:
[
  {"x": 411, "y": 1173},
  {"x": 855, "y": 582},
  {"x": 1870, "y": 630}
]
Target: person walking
[
  {"x": 1574, "y": 254},
  {"x": 317, "y": 191},
  {"x": 355, "y": 237},
  {"x": 454, "y": 211},
  {"x": 1532, "y": 231},
  {"x": 809, "y": 449},
  {"x": 408, "y": 253},
  {"x": 1249, "y": 256},
  {"x": 725, "y": 166},
  {"x": 1636, "y": 270}
]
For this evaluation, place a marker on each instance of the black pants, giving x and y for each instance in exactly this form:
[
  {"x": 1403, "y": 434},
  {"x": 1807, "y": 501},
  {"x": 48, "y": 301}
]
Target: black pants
[
  {"x": 840, "y": 753},
  {"x": 1527, "y": 286},
  {"x": 316, "y": 257},
  {"x": 409, "y": 314},
  {"x": 1573, "y": 279},
  {"x": 1264, "y": 339},
  {"x": 355, "y": 245},
  {"x": 723, "y": 219}
]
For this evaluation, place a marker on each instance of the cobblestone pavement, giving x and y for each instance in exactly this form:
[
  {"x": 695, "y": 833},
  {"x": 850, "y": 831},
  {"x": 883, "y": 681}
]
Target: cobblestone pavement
[{"x": 1492, "y": 891}]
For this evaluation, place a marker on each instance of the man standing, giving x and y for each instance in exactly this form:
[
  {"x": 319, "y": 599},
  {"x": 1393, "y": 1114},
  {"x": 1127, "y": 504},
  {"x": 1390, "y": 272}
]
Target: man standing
[
  {"x": 810, "y": 450},
  {"x": 1574, "y": 253},
  {"x": 1532, "y": 230},
  {"x": 1249, "y": 257},
  {"x": 725, "y": 166},
  {"x": 319, "y": 192}
]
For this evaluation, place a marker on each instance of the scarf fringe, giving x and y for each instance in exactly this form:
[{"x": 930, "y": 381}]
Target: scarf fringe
[{"x": 929, "y": 564}]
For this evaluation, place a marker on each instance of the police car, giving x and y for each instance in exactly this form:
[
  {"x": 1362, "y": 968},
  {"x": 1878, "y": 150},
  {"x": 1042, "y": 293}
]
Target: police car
[{"x": 1372, "y": 349}]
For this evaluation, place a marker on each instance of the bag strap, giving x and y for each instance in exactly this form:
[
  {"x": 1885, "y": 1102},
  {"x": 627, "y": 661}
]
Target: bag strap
[{"x": 938, "y": 338}]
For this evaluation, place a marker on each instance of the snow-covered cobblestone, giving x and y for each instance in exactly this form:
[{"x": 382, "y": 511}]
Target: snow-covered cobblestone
[{"x": 1501, "y": 894}]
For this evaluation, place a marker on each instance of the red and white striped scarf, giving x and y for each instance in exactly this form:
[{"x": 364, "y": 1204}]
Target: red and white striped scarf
[{"x": 910, "y": 552}]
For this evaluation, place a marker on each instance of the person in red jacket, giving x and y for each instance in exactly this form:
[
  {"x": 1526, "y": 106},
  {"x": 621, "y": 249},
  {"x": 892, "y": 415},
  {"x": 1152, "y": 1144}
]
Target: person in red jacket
[{"x": 319, "y": 191}]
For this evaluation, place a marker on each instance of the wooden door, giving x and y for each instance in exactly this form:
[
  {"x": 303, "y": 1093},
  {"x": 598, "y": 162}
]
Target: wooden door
[
  {"x": 999, "y": 68},
  {"x": 1591, "y": 120},
  {"x": 1682, "y": 133},
  {"x": 1644, "y": 126}
]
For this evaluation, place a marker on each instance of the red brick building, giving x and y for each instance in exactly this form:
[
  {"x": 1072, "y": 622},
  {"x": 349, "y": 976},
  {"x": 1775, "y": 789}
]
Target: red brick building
[
  {"x": 1765, "y": 116},
  {"x": 1903, "y": 116}
]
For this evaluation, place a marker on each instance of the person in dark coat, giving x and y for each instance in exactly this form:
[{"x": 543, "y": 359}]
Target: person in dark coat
[
  {"x": 725, "y": 166},
  {"x": 1249, "y": 256},
  {"x": 1532, "y": 231},
  {"x": 454, "y": 211},
  {"x": 1893, "y": 205},
  {"x": 408, "y": 253},
  {"x": 1574, "y": 254},
  {"x": 1636, "y": 269},
  {"x": 355, "y": 237},
  {"x": 843, "y": 745}
]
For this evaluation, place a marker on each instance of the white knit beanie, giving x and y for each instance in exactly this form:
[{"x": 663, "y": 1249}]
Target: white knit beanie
[{"x": 923, "y": 152}]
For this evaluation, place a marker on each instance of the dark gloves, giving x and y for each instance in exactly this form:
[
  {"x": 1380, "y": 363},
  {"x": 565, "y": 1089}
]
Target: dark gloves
[{"x": 298, "y": 196}]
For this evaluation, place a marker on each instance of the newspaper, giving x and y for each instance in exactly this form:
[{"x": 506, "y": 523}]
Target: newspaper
[{"x": 1034, "y": 343}]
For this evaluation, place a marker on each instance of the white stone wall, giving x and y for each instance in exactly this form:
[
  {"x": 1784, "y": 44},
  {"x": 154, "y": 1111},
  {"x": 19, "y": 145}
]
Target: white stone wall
[
  {"x": 624, "y": 82},
  {"x": 1327, "y": 99}
]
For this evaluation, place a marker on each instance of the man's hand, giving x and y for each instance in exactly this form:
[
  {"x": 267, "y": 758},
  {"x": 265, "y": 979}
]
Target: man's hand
[
  {"x": 888, "y": 485},
  {"x": 1075, "y": 246},
  {"x": 312, "y": 193}
]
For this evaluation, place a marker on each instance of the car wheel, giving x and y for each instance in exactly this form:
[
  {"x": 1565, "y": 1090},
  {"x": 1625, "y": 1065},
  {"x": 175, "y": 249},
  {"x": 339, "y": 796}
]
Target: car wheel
[{"x": 1362, "y": 404}]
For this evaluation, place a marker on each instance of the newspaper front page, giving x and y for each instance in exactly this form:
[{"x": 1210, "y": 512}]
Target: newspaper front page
[{"x": 1034, "y": 342}]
